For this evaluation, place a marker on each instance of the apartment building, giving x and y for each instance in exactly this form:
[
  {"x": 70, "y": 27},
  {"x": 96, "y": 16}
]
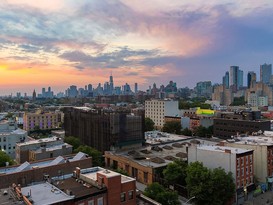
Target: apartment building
[
  {"x": 263, "y": 154},
  {"x": 158, "y": 109},
  {"x": 30, "y": 172},
  {"x": 89, "y": 186},
  {"x": 41, "y": 120},
  {"x": 41, "y": 149},
  {"x": 9, "y": 136},
  {"x": 238, "y": 161},
  {"x": 105, "y": 129}
]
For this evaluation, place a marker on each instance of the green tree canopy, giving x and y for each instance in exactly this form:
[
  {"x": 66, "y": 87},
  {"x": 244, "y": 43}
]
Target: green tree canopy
[
  {"x": 149, "y": 124},
  {"x": 5, "y": 158},
  {"x": 238, "y": 101},
  {"x": 172, "y": 127},
  {"x": 96, "y": 155},
  {"x": 210, "y": 187},
  {"x": 186, "y": 132},
  {"x": 160, "y": 194},
  {"x": 176, "y": 172},
  {"x": 201, "y": 131},
  {"x": 74, "y": 141}
]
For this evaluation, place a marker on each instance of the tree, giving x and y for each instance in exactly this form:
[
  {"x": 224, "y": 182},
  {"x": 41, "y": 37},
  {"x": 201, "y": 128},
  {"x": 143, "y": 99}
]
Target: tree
[
  {"x": 238, "y": 101},
  {"x": 210, "y": 187},
  {"x": 186, "y": 132},
  {"x": 201, "y": 131},
  {"x": 5, "y": 158},
  {"x": 149, "y": 124},
  {"x": 223, "y": 186},
  {"x": 97, "y": 159},
  {"x": 153, "y": 190},
  {"x": 175, "y": 172},
  {"x": 168, "y": 198},
  {"x": 172, "y": 127},
  {"x": 74, "y": 141},
  {"x": 161, "y": 195}
]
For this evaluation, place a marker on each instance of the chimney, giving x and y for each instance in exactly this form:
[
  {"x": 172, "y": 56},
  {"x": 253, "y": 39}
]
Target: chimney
[
  {"x": 228, "y": 151},
  {"x": 78, "y": 172}
]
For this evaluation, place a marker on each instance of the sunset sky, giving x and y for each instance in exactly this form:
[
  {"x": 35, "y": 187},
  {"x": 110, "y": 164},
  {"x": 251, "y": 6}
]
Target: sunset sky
[{"x": 58, "y": 43}]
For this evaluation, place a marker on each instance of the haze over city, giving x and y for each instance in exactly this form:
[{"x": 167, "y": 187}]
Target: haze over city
[{"x": 60, "y": 43}]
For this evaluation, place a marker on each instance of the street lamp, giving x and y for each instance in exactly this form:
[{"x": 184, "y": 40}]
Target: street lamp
[{"x": 189, "y": 200}]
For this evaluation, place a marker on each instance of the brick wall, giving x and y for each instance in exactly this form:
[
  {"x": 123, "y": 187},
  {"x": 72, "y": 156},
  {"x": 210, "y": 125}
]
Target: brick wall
[{"x": 37, "y": 174}]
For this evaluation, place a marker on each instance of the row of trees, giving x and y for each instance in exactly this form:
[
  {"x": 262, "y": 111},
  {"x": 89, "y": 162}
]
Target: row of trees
[
  {"x": 208, "y": 186},
  {"x": 194, "y": 103},
  {"x": 97, "y": 158},
  {"x": 175, "y": 128}
]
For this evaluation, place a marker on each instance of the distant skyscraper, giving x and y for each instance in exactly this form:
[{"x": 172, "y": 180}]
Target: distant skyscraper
[
  {"x": 226, "y": 80},
  {"x": 111, "y": 90},
  {"x": 136, "y": 88},
  {"x": 265, "y": 73},
  {"x": 43, "y": 92},
  {"x": 251, "y": 78},
  {"x": 240, "y": 79},
  {"x": 34, "y": 95},
  {"x": 235, "y": 77}
]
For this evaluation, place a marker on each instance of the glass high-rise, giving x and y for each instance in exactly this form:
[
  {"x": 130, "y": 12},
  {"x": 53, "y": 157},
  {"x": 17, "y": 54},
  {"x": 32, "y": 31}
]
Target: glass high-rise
[{"x": 265, "y": 73}]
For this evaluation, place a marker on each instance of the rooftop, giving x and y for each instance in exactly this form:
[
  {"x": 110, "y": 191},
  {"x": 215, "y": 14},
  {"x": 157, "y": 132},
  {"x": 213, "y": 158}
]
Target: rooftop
[
  {"x": 45, "y": 193},
  {"x": 156, "y": 137},
  {"x": 43, "y": 140},
  {"x": 52, "y": 148},
  {"x": 27, "y": 166},
  {"x": 161, "y": 155},
  {"x": 253, "y": 140},
  {"x": 223, "y": 149},
  {"x": 77, "y": 189}
]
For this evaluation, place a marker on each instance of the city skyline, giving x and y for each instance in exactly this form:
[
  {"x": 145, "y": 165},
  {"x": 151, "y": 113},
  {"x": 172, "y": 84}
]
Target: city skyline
[{"x": 62, "y": 43}]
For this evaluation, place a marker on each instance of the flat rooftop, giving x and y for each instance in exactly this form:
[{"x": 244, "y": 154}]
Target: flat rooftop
[
  {"x": 43, "y": 140},
  {"x": 53, "y": 148},
  {"x": 253, "y": 140},
  {"x": 78, "y": 189},
  {"x": 108, "y": 173},
  {"x": 45, "y": 193},
  {"x": 156, "y": 137},
  {"x": 161, "y": 155},
  {"x": 223, "y": 149}
]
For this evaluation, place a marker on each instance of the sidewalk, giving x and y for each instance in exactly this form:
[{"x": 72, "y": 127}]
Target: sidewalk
[{"x": 263, "y": 199}]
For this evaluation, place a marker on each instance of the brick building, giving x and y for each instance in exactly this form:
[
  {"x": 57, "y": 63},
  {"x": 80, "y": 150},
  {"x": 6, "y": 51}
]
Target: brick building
[
  {"x": 27, "y": 172},
  {"x": 238, "y": 161},
  {"x": 91, "y": 186},
  {"x": 42, "y": 120},
  {"x": 104, "y": 129},
  {"x": 229, "y": 124},
  {"x": 41, "y": 149}
]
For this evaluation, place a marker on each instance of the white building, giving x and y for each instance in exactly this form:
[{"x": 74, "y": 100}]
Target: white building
[
  {"x": 235, "y": 160},
  {"x": 158, "y": 109},
  {"x": 263, "y": 154},
  {"x": 9, "y": 136}
]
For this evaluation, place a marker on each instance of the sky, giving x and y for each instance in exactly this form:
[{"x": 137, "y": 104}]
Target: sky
[{"x": 64, "y": 42}]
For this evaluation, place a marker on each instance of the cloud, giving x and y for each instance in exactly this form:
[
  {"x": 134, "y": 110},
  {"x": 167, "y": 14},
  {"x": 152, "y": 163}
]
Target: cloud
[{"x": 121, "y": 57}]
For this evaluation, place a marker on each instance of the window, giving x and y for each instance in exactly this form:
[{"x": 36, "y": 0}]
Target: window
[
  {"x": 122, "y": 197},
  {"x": 237, "y": 162},
  {"x": 242, "y": 161},
  {"x": 242, "y": 171},
  {"x": 250, "y": 169},
  {"x": 100, "y": 201},
  {"x": 145, "y": 177},
  {"x": 91, "y": 202},
  {"x": 130, "y": 194},
  {"x": 238, "y": 172}
]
